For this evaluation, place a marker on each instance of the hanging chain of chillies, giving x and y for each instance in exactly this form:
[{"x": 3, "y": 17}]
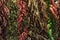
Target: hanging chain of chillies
[
  {"x": 12, "y": 21},
  {"x": 4, "y": 12},
  {"x": 36, "y": 18},
  {"x": 22, "y": 31}
]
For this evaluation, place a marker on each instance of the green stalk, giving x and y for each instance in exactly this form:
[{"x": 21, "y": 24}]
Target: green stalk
[{"x": 49, "y": 30}]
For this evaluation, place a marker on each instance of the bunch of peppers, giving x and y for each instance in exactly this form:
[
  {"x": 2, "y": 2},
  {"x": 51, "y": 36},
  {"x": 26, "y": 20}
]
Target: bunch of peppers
[{"x": 21, "y": 4}]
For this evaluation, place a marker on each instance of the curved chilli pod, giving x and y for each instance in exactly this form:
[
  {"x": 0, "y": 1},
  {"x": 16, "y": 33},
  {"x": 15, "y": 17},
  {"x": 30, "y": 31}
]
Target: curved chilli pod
[
  {"x": 21, "y": 4},
  {"x": 3, "y": 19}
]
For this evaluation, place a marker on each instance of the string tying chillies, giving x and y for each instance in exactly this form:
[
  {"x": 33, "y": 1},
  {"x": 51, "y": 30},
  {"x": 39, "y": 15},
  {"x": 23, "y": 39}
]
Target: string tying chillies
[{"x": 21, "y": 4}]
